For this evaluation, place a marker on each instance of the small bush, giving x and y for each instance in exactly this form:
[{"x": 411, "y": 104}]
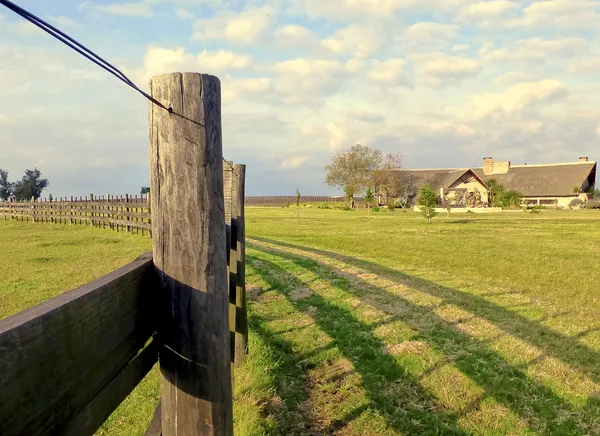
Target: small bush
[
  {"x": 469, "y": 211},
  {"x": 375, "y": 209},
  {"x": 348, "y": 208},
  {"x": 593, "y": 204},
  {"x": 536, "y": 209},
  {"x": 576, "y": 202}
]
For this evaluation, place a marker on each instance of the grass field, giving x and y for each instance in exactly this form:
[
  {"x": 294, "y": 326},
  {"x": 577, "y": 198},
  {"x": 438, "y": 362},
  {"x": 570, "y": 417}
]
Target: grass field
[{"x": 476, "y": 324}]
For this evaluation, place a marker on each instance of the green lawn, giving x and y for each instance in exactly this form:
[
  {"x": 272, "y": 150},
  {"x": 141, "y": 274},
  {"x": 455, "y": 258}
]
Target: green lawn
[{"x": 476, "y": 324}]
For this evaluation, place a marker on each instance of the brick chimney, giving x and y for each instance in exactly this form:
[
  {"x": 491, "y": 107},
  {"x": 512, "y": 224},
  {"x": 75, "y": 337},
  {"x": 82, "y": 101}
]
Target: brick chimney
[
  {"x": 488, "y": 166},
  {"x": 583, "y": 159},
  {"x": 491, "y": 167}
]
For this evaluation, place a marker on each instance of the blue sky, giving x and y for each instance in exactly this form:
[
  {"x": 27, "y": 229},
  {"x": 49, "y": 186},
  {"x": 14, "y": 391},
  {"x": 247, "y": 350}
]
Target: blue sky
[{"x": 444, "y": 82}]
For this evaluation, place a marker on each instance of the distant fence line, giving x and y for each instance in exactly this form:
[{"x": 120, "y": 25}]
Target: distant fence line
[
  {"x": 126, "y": 213},
  {"x": 291, "y": 199}
]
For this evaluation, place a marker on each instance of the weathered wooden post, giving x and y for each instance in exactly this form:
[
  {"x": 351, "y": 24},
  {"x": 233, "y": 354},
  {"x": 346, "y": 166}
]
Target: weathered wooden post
[
  {"x": 227, "y": 185},
  {"x": 238, "y": 245},
  {"x": 188, "y": 242}
]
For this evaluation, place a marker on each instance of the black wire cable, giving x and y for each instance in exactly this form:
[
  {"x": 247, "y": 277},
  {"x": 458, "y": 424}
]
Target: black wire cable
[{"x": 79, "y": 48}]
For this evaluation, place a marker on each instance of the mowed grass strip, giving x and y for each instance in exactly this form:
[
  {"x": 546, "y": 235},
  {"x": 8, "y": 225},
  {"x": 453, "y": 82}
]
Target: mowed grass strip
[
  {"x": 476, "y": 324},
  {"x": 474, "y": 342}
]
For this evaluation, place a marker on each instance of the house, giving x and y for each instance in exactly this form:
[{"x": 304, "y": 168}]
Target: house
[{"x": 547, "y": 184}]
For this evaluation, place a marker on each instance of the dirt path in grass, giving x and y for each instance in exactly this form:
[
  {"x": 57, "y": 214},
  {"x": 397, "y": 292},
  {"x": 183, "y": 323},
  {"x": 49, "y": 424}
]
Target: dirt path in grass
[{"x": 375, "y": 353}]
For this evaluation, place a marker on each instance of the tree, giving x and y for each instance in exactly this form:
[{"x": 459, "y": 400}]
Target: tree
[
  {"x": 510, "y": 199},
  {"x": 407, "y": 186},
  {"x": 50, "y": 197},
  {"x": 387, "y": 178},
  {"x": 352, "y": 170},
  {"x": 427, "y": 199},
  {"x": 31, "y": 185},
  {"x": 5, "y": 186},
  {"x": 499, "y": 196},
  {"x": 369, "y": 199},
  {"x": 495, "y": 192},
  {"x": 298, "y": 202}
]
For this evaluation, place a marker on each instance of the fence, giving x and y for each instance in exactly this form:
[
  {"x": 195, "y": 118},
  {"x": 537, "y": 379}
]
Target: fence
[
  {"x": 121, "y": 213},
  {"x": 67, "y": 363},
  {"x": 291, "y": 199}
]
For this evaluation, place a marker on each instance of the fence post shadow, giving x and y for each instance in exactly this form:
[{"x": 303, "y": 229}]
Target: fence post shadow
[{"x": 498, "y": 377}]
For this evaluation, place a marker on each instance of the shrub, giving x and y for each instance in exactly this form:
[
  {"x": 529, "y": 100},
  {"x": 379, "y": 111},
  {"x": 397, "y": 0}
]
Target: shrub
[
  {"x": 375, "y": 208},
  {"x": 576, "y": 202},
  {"x": 510, "y": 199},
  {"x": 536, "y": 209},
  {"x": 391, "y": 206},
  {"x": 427, "y": 199},
  {"x": 593, "y": 204}
]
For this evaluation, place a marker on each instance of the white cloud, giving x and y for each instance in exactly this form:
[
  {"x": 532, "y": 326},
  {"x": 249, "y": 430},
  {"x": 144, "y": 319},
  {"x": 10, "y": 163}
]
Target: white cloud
[
  {"x": 233, "y": 89},
  {"x": 296, "y": 37},
  {"x": 139, "y": 9},
  {"x": 293, "y": 162},
  {"x": 535, "y": 51},
  {"x": 244, "y": 28},
  {"x": 303, "y": 79},
  {"x": 425, "y": 31},
  {"x": 459, "y": 48},
  {"x": 487, "y": 10},
  {"x": 388, "y": 72},
  {"x": 184, "y": 14},
  {"x": 512, "y": 77},
  {"x": 160, "y": 60},
  {"x": 517, "y": 98},
  {"x": 64, "y": 22},
  {"x": 355, "y": 40},
  {"x": 440, "y": 66},
  {"x": 381, "y": 9},
  {"x": 563, "y": 14}
]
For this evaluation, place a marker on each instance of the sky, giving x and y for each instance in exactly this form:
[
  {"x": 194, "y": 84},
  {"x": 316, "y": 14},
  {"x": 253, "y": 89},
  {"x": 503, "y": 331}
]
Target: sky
[{"x": 442, "y": 82}]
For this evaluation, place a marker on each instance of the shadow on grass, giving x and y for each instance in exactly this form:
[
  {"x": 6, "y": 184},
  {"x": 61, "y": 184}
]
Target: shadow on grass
[
  {"x": 566, "y": 348},
  {"x": 289, "y": 383},
  {"x": 538, "y": 405},
  {"x": 411, "y": 408}
]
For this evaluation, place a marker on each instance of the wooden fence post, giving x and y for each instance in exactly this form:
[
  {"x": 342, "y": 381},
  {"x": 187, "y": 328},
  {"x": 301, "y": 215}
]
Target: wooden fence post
[
  {"x": 227, "y": 183},
  {"x": 238, "y": 243},
  {"x": 188, "y": 242},
  {"x": 91, "y": 210}
]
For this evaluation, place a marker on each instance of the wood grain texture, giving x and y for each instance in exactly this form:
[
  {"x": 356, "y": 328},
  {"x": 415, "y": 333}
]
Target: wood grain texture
[
  {"x": 56, "y": 357},
  {"x": 155, "y": 426},
  {"x": 238, "y": 242},
  {"x": 188, "y": 226}
]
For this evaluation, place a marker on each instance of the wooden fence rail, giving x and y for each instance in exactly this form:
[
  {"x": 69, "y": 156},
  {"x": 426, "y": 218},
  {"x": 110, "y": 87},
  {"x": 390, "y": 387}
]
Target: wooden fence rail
[
  {"x": 66, "y": 364},
  {"x": 127, "y": 213}
]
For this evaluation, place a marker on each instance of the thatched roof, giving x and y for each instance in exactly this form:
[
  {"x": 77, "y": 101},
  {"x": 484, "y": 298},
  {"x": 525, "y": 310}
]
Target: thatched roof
[{"x": 529, "y": 180}]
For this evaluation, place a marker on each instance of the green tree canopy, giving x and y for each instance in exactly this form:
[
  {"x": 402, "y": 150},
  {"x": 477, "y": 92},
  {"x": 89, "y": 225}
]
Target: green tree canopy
[
  {"x": 5, "y": 186},
  {"x": 428, "y": 200},
  {"x": 31, "y": 185},
  {"x": 352, "y": 170}
]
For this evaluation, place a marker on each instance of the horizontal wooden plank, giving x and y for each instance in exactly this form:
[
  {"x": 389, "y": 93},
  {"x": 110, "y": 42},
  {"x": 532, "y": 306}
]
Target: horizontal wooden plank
[
  {"x": 58, "y": 356},
  {"x": 140, "y": 224},
  {"x": 123, "y": 213},
  {"x": 103, "y": 404}
]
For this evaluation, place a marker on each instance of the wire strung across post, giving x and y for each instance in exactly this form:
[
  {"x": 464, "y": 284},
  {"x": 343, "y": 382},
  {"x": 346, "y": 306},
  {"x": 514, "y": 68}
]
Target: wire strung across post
[{"x": 79, "y": 48}]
